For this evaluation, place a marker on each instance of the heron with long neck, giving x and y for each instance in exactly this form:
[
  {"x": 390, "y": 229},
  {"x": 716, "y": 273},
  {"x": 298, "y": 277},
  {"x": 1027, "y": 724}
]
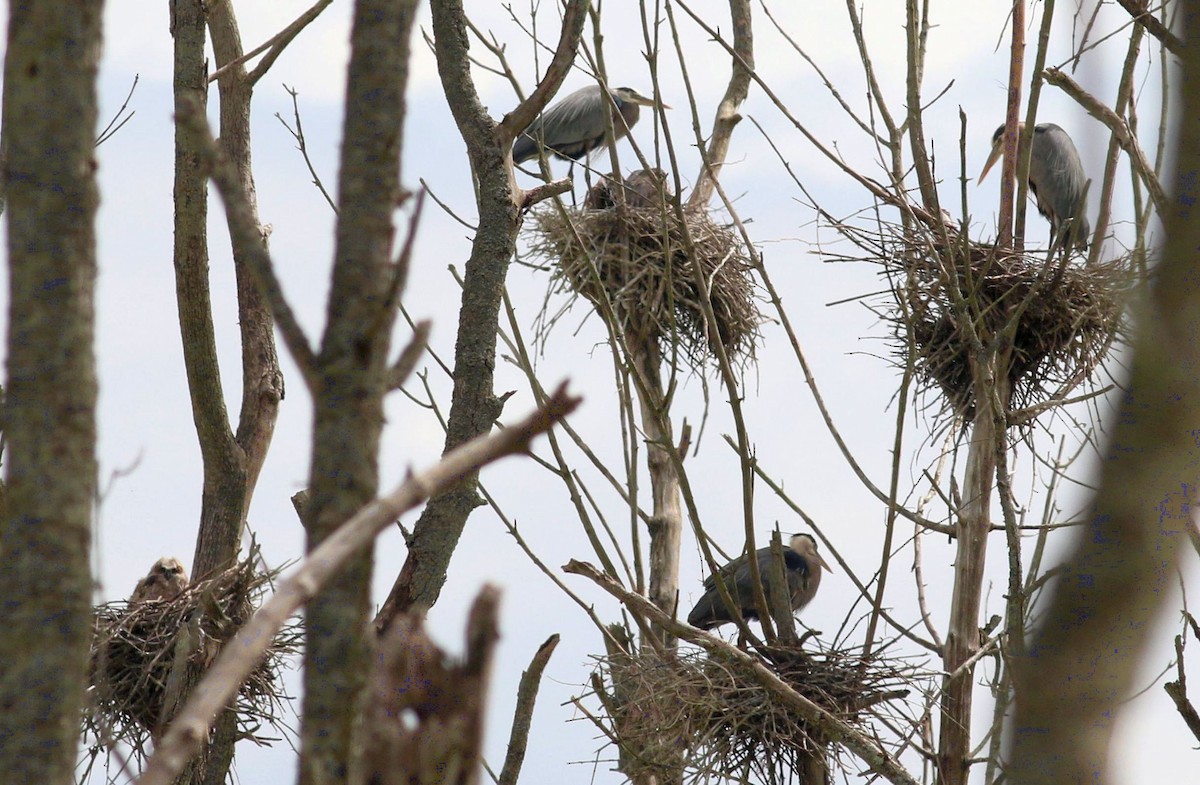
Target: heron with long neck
[{"x": 1057, "y": 181}]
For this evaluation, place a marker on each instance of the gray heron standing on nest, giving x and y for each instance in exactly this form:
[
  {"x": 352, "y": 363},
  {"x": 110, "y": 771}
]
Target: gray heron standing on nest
[
  {"x": 574, "y": 127},
  {"x": 801, "y": 562},
  {"x": 1057, "y": 181}
]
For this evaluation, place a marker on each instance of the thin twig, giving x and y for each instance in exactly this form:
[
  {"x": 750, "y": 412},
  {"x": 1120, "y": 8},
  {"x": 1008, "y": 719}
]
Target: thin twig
[
  {"x": 119, "y": 118},
  {"x": 1140, "y": 11},
  {"x": 298, "y": 134},
  {"x": 403, "y": 367}
]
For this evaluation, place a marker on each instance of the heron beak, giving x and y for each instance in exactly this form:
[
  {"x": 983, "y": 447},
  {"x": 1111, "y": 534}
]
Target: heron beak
[
  {"x": 644, "y": 101},
  {"x": 997, "y": 150},
  {"x": 824, "y": 563}
]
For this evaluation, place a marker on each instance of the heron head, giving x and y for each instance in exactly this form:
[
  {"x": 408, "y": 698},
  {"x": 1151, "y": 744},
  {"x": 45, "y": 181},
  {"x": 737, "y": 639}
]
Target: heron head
[
  {"x": 630, "y": 96},
  {"x": 806, "y": 546},
  {"x": 997, "y": 150}
]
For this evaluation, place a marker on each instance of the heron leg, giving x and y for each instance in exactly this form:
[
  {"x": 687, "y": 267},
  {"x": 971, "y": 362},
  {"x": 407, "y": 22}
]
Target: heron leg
[{"x": 571, "y": 177}]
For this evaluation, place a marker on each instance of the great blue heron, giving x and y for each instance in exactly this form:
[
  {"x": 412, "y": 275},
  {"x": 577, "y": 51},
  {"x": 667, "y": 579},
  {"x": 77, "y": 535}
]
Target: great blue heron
[
  {"x": 801, "y": 562},
  {"x": 1057, "y": 180},
  {"x": 574, "y": 126}
]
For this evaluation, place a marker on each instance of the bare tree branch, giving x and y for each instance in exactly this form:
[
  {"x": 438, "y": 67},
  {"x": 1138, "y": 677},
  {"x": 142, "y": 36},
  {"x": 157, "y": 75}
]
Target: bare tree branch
[
  {"x": 1119, "y": 128},
  {"x": 519, "y": 118},
  {"x": 1177, "y": 689},
  {"x": 425, "y": 725},
  {"x": 742, "y": 66},
  {"x": 247, "y": 231},
  {"x": 353, "y": 373},
  {"x": 474, "y": 406},
  {"x": 276, "y": 43},
  {"x": 527, "y": 692},
  {"x": 403, "y": 367},
  {"x": 50, "y": 111},
  {"x": 1141, "y": 13}
]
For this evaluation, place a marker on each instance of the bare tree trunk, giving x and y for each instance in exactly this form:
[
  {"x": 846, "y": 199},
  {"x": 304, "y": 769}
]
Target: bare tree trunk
[
  {"x": 352, "y": 380},
  {"x": 666, "y": 519},
  {"x": 49, "y": 417},
  {"x": 989, "y": 375},
  {"x": 262, "y": 381},
  {"x": 231, "y": 461},
  {"x": 474, "y": 406}
]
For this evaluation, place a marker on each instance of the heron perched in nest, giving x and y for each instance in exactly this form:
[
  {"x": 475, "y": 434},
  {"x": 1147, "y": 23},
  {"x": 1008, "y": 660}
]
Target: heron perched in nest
[
  {"x": 574, "y": 127},
  {"x": 1057, "y": 181},
  {"x": 801, "y": 562},
  {"x": 166, "y": 579}
]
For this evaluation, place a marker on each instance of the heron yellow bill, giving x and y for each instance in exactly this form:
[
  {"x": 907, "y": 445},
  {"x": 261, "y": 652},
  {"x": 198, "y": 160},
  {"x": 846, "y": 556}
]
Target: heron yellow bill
[{"x": 997, "y": 151}]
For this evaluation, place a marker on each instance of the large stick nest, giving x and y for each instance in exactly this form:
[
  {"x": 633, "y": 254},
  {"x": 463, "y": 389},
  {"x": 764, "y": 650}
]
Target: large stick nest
[
  {"x": 717, "y": 714},
  {"x": 634, "y": 259},
  {"x": 136, "y": 646},
  {"x": 1054, "y": 321}
]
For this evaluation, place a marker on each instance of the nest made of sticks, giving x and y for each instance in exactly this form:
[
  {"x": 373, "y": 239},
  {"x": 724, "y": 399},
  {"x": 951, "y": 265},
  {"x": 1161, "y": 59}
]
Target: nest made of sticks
[
  {"x": 715, "y": 716},
  {"x": 135, "y": 648},
  {"x": 634, "y": 259},
  {"x": 1054, "y": 320}
]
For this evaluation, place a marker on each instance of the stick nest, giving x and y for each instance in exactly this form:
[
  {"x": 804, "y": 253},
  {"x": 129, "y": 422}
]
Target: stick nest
[
  {"x": 633, "y": 259},
  {"x": 724, "y": 722},
  {"x": 1056, "y": 320},
  {"x": 135, "y": 647}
]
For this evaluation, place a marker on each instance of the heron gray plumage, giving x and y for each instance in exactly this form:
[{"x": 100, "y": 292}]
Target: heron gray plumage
[
  {"x": 1057, "y": 181},
  {"x": 574, "y": 127},
  {"x": 801, "y": 562}
]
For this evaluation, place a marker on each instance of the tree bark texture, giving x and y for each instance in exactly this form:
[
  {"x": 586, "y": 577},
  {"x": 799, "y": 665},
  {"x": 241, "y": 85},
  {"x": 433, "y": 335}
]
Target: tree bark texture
[
  {"x": 666, "y": 519},
  {"x": 231, "y": 461},
  {"x": 474, "y": 407},
  {"x": 352, "y": 381},
  {"x": 989, "y": 378},
  {"x": 262, "y": 382},
  {"x": 1079, "y": 669},
  {"x": 49, "y": 119}
]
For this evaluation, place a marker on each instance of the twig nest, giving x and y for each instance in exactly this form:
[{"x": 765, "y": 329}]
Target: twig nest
[
  {"x": 1053, "y": 323},
  {"x": 717, "y": 713},
  {"x": 136, "y": 645},
  {"x": 630, "y": 251}
]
